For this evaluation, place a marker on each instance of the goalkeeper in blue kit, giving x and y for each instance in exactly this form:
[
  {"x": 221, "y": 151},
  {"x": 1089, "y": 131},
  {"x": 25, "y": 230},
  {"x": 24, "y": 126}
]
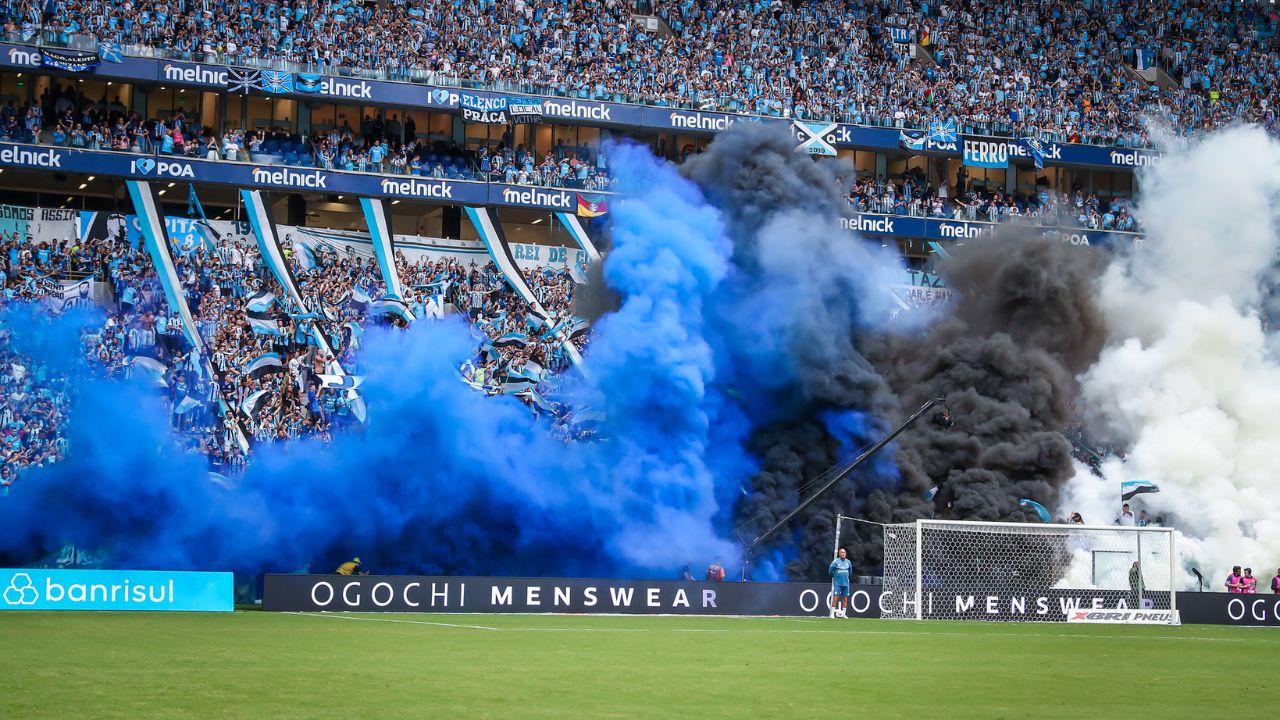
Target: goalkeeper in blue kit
[{"x": 839, "y": 570}]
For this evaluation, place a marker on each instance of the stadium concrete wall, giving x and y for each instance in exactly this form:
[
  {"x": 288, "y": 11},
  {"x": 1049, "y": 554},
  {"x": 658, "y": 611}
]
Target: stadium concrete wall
[{"x": 434, "y": 594}]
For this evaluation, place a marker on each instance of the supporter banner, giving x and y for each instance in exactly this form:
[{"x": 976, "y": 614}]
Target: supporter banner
[
  {"x": 76, "y": 61},
  {"x": 482, "y": 109},
  {"x": 117, "y": 590},
  {"x": 986, "y": 153},
  {"x": 276, "y": 82},
  {"x": 815, "y": 138},
  {"x": 525, "y": 111},
  {"x": 71, "y": 295},
  {"x": 38, "y": 225},
  {"x": 314, "y": 593},
  {"x": 899, "y": 33}
]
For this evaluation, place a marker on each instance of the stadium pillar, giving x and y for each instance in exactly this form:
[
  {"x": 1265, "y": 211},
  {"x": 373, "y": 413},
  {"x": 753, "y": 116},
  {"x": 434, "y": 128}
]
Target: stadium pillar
[
  {"x": 882, "y": 165},
  {"x": 451, "y": 222},
  {"x": 297, "y": 210}
]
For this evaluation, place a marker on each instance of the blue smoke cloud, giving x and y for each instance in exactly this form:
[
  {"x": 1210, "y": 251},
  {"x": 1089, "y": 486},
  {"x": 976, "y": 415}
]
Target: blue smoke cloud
[{"x": 444, "y": 480}]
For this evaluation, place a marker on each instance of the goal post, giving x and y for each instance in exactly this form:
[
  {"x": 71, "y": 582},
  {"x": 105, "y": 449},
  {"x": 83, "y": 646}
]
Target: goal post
[{"x": 1022, "y": 572}]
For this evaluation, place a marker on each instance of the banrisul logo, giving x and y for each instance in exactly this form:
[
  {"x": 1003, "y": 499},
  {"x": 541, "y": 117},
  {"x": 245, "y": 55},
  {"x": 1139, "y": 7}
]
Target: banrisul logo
[
  {"x": 115, "y": 590},
  {"x": 21, "y": 590}
]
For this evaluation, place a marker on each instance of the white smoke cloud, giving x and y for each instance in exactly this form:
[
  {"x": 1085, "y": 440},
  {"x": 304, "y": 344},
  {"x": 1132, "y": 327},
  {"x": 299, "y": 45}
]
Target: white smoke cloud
[{"x": 1186, "y": 384}]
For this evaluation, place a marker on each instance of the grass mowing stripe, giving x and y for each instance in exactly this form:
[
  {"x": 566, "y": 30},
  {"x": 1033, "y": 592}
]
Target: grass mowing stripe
[{"x": 393, "y": 620}]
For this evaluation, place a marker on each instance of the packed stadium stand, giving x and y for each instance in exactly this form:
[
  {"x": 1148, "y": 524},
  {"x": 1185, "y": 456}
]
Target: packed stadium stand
[
  {"x": 1063, "y": 71},
  {"x": 1087, "y": 74}
]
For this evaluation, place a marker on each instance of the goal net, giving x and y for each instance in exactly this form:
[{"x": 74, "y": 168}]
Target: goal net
[{"x": 1016, "y": 572}]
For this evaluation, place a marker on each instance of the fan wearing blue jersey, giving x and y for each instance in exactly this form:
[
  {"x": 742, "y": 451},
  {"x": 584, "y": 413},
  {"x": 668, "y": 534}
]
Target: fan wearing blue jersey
[{"x": 839, "y": 570}]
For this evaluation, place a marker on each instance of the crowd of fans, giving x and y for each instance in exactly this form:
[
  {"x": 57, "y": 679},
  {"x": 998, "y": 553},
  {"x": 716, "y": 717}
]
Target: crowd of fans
[
  {"x": 913, "y": 195},
  {"x": 64, "y": 117},
  {"x": 1048, "y": 68},
  {"x": 218, "y": 406}
]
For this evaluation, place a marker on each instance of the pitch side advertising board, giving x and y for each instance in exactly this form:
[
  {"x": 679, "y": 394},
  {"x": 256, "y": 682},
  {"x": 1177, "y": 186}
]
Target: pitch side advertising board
[
  {"x": 434, "y": 594},
  {"x": 33, "y": 589},
  {"x": 334, "y": 593}
]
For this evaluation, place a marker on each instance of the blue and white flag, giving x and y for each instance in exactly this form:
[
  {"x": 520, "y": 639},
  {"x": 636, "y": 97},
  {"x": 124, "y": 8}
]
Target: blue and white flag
[
  {"x": 307, "y": 82},
  {"x": 359, "y": 298},
  {"x": 1132, "y": 488},
  {"x": 261, "y": 302},
  {"x": 276, "y": 81},
  {"x": 147, "y": 367},
  {"x": 942, "y": 132},
  {"x": 110, "y": 52},
  {"x": 1035, "y": 149},
  {"x": 910, "y": 142},
  {"x": 1039, "y": 509},
  {"x": 187, "y": 404},
  {"x": 512, "y": 339},
  {"x": 264, "y": 364},
  {"x": 263, "y": 324},
  {"x": 253, "y": 403}
]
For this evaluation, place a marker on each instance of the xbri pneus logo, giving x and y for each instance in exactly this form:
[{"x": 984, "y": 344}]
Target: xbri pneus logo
[{"x": 21, "y": 590}]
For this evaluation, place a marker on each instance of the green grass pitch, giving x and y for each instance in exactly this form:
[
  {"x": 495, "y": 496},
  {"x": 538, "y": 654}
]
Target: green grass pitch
[{"x": 265, "y": 665}]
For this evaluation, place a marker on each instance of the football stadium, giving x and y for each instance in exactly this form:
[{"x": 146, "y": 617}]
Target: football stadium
[{"x": 639, "y": 358}]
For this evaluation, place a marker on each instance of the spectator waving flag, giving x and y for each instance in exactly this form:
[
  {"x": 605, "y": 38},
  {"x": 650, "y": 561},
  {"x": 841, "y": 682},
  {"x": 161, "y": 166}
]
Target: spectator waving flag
[
  {"x": 1035, "y": 149},
  {"x": 110, "y": 52},
  {"x": 252, "y": 403},
  {"x": 1040, "y": 510},
  {"x": 1132, "y": 488},
  {"x": 260, "y": 302},
  {"x": 262, "y": 323},
  {"x": 592, "y": 205},
  {"x": 264, "y": 365}
]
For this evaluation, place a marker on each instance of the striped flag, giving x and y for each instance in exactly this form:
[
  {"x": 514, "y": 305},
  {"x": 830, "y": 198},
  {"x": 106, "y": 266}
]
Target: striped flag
[
  {"x": 252, "y": 403},
  {"x": 1132, "y": 488},
  {"x": 260, "y": 302},
  {"x": 263, "y": 324},
  {"x": 264, "y": 364}
]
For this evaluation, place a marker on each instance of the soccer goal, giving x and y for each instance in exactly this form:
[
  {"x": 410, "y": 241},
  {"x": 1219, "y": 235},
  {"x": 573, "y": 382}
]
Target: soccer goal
[{"x": 1020, "y": 572}]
